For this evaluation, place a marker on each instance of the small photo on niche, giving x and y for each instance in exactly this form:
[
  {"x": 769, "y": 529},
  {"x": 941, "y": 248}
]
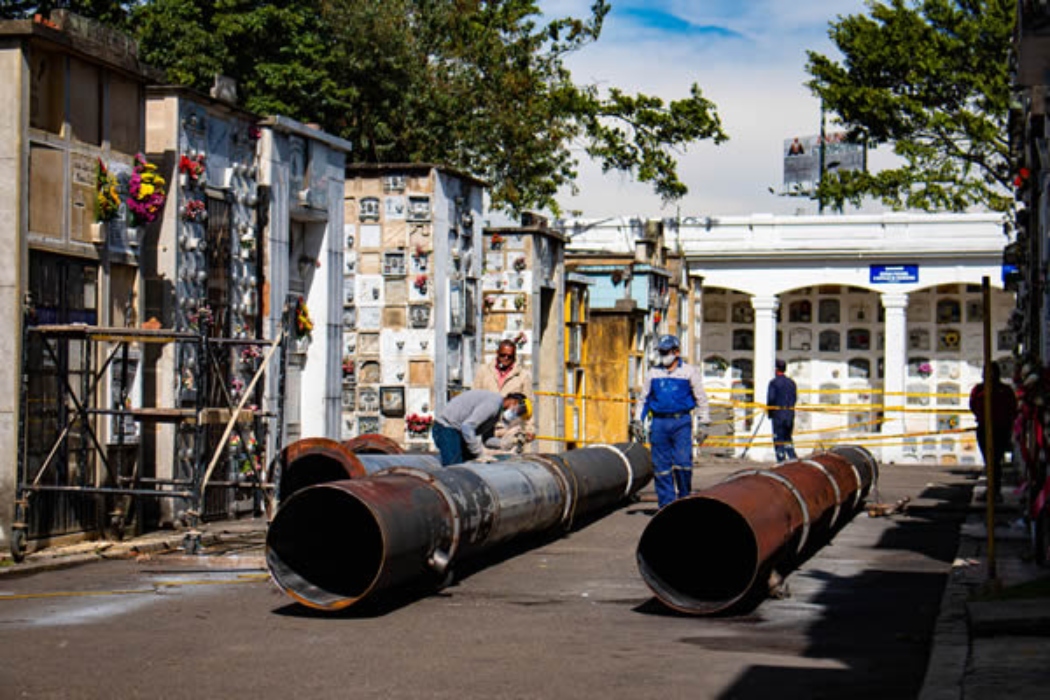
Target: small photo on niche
[
  {"x": 419, "y": 316},
  {"x": 367, "y": 425},
  {"x": 392, "y": 400}
]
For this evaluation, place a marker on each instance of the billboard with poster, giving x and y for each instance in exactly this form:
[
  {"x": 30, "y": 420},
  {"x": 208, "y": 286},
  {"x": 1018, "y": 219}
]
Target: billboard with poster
[{"x": 802, "y": 158}]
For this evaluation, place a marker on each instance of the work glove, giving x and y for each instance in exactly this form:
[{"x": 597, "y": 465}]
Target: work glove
[
  {"x": 486, "y": 455},
  {"x": 637, "y": 431},
  {"x": 702, "y": 431}
]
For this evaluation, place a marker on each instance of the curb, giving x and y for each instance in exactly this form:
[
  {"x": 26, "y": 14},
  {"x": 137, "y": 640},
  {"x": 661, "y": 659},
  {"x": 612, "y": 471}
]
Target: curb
[
  {"x": 950, "y": 651},
  {"x": 153, "y": 543}
]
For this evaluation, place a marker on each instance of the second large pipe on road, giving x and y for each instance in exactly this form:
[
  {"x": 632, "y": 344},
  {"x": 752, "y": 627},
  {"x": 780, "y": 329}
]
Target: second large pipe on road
[{"x": 714, "y": 551}]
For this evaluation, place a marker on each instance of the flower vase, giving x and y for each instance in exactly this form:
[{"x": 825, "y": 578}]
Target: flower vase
[
  {"x": 98, "y": 232},
  {"x": 184, "y": 180},
  {"x": 133, "y": 235}
]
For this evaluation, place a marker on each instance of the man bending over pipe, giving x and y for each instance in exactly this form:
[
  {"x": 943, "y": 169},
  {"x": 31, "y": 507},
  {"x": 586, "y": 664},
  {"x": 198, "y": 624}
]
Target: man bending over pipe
[{"x": 460, "y": 429}]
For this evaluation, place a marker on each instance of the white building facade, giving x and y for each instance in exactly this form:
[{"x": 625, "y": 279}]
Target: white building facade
[{"x": 880, "y": 319}]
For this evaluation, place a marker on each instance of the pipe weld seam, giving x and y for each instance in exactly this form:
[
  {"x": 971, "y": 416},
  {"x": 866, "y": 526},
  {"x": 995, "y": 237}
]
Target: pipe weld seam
[
  {"x": 784, "y": 481},
  {"x": 626, "y": 463},
  {"x": 431, "y": 480},
  {"x": 566, "y": 482},
  {"x": 860, "y": 484},
  {"x": 834, "y": 485}
]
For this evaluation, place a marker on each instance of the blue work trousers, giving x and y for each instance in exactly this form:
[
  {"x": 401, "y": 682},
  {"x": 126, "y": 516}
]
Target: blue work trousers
[
  {"x": 782, "y": 438},
  {"x": 450, "y": 444},
  {"x": 671, "y": 441}
]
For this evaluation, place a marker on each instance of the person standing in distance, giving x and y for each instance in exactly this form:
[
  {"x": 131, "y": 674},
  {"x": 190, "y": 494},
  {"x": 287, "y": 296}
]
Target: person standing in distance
[
  {"x": 672, "y": 391},
  {"x": 507, "y": 377},
  {"x": 781, "y": 398},
  {"x": 1004, "y": 411}
]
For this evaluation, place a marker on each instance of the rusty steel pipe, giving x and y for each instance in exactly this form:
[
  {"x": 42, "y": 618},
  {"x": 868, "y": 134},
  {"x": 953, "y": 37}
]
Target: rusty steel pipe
[
  {"x": 713, "y": 552},
  {"x": 319, "y": 460},
  {"x": 373, "y": 444},
  {"x": 315, "y": 460},
  {"x": 334, "y": 544}
]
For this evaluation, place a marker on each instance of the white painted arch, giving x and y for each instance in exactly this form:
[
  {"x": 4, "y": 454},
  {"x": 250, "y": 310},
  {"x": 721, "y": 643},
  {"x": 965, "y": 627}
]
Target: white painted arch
[{"x": 768, "y": 257}]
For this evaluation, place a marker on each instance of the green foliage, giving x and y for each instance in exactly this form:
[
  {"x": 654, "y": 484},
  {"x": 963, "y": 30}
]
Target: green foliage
[
  {"x": 279, "y": 53},
  {"x": 476, "y": 85},
  {"x": 114, "y": 14},
  {"x": 930, "y": 77}
]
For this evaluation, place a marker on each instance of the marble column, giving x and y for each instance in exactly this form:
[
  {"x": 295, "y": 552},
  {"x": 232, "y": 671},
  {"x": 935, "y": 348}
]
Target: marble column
[
  {"x": 895, "y": 368},
  {"x": 764, "y": 356}
]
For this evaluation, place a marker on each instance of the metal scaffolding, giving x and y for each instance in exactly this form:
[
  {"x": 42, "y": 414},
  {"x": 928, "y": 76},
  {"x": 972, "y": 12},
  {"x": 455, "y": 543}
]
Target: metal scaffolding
[{"x": 83, "y": 467}]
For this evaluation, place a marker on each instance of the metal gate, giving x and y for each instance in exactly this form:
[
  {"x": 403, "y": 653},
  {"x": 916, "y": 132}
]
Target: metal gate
[{"x": 61, "y": 290}]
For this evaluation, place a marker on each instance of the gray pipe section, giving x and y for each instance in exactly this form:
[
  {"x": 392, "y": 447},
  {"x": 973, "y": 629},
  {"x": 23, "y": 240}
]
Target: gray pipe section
[
  {"x": 335, "y": 544},
  {"x": 374, "y": 463}
]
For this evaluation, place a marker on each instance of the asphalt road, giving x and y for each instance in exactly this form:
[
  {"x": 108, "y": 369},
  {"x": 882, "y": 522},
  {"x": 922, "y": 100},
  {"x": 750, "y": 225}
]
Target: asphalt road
[{"x": 568, "y": 618}]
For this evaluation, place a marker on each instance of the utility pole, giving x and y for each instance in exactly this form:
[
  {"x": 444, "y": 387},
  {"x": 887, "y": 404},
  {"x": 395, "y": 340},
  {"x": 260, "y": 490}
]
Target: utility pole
[{"x": 820, "y": 169}]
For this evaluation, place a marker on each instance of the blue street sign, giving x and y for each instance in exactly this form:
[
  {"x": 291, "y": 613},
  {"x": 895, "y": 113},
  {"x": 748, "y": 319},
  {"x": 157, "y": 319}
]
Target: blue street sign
[{"x": 894, "y": 274}]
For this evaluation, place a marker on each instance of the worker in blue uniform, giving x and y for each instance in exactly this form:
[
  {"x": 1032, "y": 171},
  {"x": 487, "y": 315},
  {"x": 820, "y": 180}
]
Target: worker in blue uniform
[
  {"x": 781, "y": 397},
  {"x": 673, "y": 390}
]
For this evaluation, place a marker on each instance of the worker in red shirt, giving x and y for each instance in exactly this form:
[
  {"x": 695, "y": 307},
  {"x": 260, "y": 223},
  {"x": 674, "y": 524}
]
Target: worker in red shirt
[{"x": 1004, "y": 411}]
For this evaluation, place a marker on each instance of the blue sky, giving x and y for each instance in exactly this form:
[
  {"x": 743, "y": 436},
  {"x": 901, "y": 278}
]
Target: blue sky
[{"x": 747, "y": 56}]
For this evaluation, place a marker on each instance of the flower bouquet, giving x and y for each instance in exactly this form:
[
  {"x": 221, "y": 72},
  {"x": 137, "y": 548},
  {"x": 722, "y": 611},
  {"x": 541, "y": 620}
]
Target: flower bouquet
[
  {"x": 195, "y": 210},
  {"x": 193, "y": 169},
  {"x": 250, "y": 354},
  {"x": 201, "y": 319},
  {"x": 418, "y": 424},
  {"x": 304, "y": 325},
  {"x": 146, "y": 192},
  {"x": 107, "y": 196}
]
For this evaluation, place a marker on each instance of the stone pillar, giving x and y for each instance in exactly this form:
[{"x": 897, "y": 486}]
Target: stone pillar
[
  {"x": 764, "y": 357},
  {"x": 14, "y": 92},
  {"x": 895, "y": 369}
]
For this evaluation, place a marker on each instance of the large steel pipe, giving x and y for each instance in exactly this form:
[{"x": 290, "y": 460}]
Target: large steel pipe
[
  {"x": 373, "y": 444},
  {"x": 714, "y": 552},
  {"x": 319, "y": 460},
  {"x": 315, "y": 460},
  {"x": 334, "y": 544}
]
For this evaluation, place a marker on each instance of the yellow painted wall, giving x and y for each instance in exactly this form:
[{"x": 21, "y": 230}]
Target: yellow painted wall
[{"x": 606, "y": 358}]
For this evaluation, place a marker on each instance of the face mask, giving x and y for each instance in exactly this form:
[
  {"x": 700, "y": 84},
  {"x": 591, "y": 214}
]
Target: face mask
[
  {"x": 668, "y": 359},
  {"x": 510, "y": 414}
]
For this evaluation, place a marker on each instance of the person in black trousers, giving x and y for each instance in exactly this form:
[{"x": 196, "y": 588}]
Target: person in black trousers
[{"x": 780, "y": 404}]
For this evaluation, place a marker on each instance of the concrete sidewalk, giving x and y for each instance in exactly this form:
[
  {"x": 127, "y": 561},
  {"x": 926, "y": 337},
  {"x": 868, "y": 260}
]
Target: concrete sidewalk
[
  {"x": 243, "y": 538},
  {"x": 991, "y": 638}
]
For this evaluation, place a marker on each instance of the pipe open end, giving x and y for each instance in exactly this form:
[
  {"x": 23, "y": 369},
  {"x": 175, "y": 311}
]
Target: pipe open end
[
  {"x": 318, "y": 467},
  {"x": 698, "y": 555},
  {"x": 325, "y": 548}
]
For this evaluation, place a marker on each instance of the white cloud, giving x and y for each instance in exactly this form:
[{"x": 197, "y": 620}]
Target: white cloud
[{"x": 752, "y": 68}]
